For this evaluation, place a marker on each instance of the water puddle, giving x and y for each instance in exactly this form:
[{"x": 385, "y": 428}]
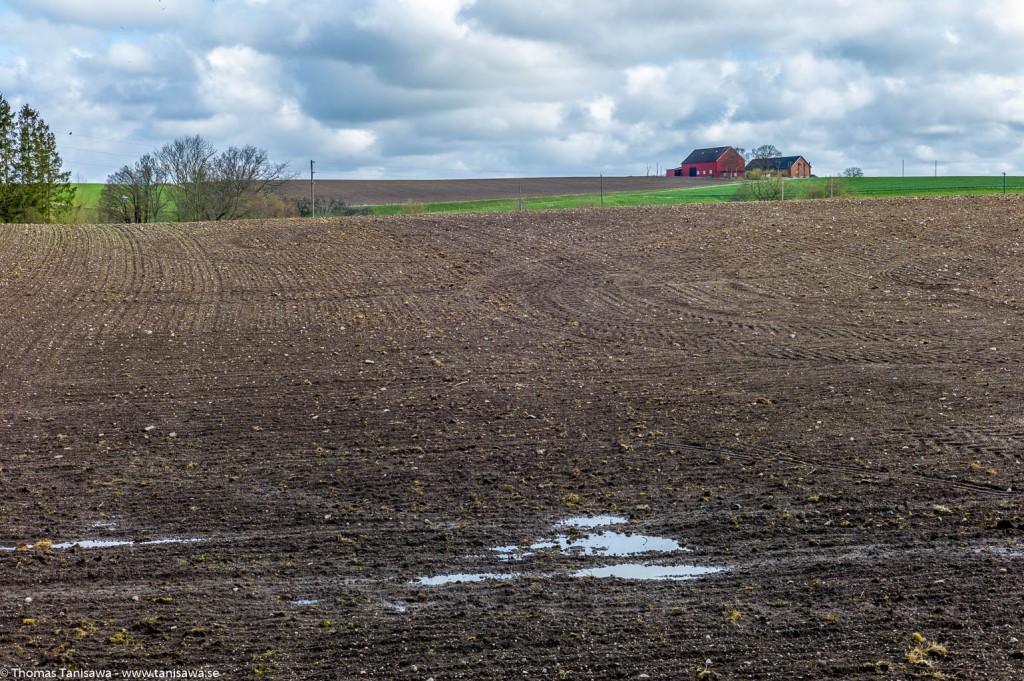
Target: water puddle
[
  {"x": 647, "y": 571},
  {"x": 593, "y": 521},
  {"x": 603, "y": 543},
  {"x": 612, "y": 544},
  {"x": 587, "y": 539},
  {"x": 106, "y": 543},
  {"x": 305, "y": 601},
  {"x": 463, "y": 578}
]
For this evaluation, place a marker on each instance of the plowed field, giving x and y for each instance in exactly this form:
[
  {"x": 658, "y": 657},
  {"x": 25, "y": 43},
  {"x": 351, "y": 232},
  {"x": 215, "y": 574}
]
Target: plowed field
[{"x": 492, "y": 446}]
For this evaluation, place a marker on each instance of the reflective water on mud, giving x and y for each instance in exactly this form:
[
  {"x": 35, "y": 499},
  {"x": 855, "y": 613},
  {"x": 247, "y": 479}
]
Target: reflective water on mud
[
  {"x": 105, "y": 543},
  {"x": 462, "y": 578},
  {"x": 647, "y": 571},
  {"x": 604, "y": 543},
  {"x": 613, "y": 544},
  {"x": 593, "y": 521},
  {"x": 587, "y": 546}
]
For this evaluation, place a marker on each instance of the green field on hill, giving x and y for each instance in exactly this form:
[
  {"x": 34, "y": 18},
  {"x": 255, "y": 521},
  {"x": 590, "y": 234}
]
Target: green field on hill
[
  {"x": 795, "y": 189},
  {"x": 87, "y": 195}
]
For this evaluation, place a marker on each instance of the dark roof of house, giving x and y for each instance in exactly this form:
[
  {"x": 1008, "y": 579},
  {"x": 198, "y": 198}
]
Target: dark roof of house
[
  {"x": 777, "y": 163},
  {"x": 709, "y": 155}
]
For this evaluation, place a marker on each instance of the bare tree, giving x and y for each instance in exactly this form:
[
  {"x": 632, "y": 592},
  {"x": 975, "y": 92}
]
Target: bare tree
[
  {"x": 208, "y": 186},
  {"x": 765, "y": 151},
  {"x": 188, "y": 162},
  {"x": 759, "y": 185},
  {"x": 242, "y": 176},
  {"x": 853, "y": 171},
  {"x": 136, "y": 193}
]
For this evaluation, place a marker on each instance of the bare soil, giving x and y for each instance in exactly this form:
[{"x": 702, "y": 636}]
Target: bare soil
[
  {"x": 386, "y": 192},
  {"x": 287, "y": 424}
]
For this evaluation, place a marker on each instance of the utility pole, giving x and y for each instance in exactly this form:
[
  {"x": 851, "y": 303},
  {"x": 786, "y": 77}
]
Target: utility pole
[
  {"x": 936, "y": 169},
  {"x": 312, "y": 192},
  {"x": 903, "y": 166},
  {"x": 602, "y": 190},
  {"x": 1004, "y": 182}
]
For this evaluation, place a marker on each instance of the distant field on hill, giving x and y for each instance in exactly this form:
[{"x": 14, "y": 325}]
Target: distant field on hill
[
  {"x": 384, "y": 192},
  {"x": 386, "y": 197},
  {"x": 719, "y": 191}
]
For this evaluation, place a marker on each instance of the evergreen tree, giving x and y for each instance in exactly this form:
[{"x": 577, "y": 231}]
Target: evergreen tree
[
  {"x": 8, "y": 153},
  {"x": 32, "y": 186}
]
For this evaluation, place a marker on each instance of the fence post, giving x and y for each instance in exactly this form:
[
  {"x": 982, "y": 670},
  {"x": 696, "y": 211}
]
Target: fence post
[{"x": 783, "y": 182}]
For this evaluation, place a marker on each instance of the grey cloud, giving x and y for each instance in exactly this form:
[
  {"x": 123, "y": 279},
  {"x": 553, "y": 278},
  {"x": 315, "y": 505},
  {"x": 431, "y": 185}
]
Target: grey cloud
[{"x": 534, "y": 86}]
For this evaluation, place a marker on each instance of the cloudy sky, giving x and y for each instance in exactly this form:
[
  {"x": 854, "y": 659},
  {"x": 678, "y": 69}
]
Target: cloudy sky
[{"x": 506, "y": 88}]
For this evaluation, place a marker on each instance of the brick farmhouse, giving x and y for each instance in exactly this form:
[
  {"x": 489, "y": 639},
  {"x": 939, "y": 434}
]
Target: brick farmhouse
[
  {"x": 712, "y": 162},
  {"x": 785, "y": 166},
  {"x": 727, "y": 162}
]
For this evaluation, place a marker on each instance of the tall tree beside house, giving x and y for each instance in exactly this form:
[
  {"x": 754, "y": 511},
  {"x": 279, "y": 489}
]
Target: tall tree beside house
[
  {"x": 33, "y": 188},
  {"x": 764, "y": 151}
]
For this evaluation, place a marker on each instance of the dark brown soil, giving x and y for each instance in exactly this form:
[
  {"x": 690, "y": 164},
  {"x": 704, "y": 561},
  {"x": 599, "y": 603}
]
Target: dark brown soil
[
  {"x": 822, "y": 398},
  {"x": 385, "y": 192}
]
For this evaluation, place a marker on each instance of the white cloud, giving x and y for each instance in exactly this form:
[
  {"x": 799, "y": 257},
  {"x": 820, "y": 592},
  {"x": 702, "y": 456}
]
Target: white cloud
[
  {"x": 602, "y": 111},
  {"x": 113, "y": 13},
  {"x": 239, "y": 80},
  {"x": 463, "y": 87},
  {"x": 129, "y": 57}
]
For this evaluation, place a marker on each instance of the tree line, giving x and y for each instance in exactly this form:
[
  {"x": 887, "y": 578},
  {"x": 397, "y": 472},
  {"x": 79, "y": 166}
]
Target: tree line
[
  {"x": 33, "y": 188},
  {"x": 184, "y": 180},
  {"x": 188, "y": 180}
]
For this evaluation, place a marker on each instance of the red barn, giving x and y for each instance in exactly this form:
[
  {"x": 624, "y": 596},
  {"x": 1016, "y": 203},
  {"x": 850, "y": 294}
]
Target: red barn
[{"x": 712, "y": 162}]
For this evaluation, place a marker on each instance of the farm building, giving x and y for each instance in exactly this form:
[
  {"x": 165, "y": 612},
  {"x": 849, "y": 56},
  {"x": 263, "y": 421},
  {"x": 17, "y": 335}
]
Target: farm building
[
  {"x": 712, "y": 162},
  {"x": 786, "y": 166}
]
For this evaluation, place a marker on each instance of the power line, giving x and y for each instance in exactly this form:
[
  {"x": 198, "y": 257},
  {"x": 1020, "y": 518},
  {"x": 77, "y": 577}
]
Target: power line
[
  {"x": 108, "y": 139},
  {"x": 97, "y": 151}
]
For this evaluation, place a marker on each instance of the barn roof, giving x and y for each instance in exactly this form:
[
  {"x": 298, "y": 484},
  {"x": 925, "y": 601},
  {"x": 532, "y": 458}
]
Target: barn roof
[
  {"x": 709, "y": 155},
  {"x": 777, "y": 163}
]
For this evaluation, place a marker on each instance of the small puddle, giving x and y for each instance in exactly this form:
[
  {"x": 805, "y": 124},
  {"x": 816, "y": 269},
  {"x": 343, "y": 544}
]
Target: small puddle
[
  {"x": 645, "y": 571},
  {"x": 463, "y": 578},
  {"x": 604, "y": 543},
  {"x": 305, "y": 601},
  {"x": 586, "y": 546},
  {"x": 593, "y": 521},
  {"x": 106, "y": 543}
]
